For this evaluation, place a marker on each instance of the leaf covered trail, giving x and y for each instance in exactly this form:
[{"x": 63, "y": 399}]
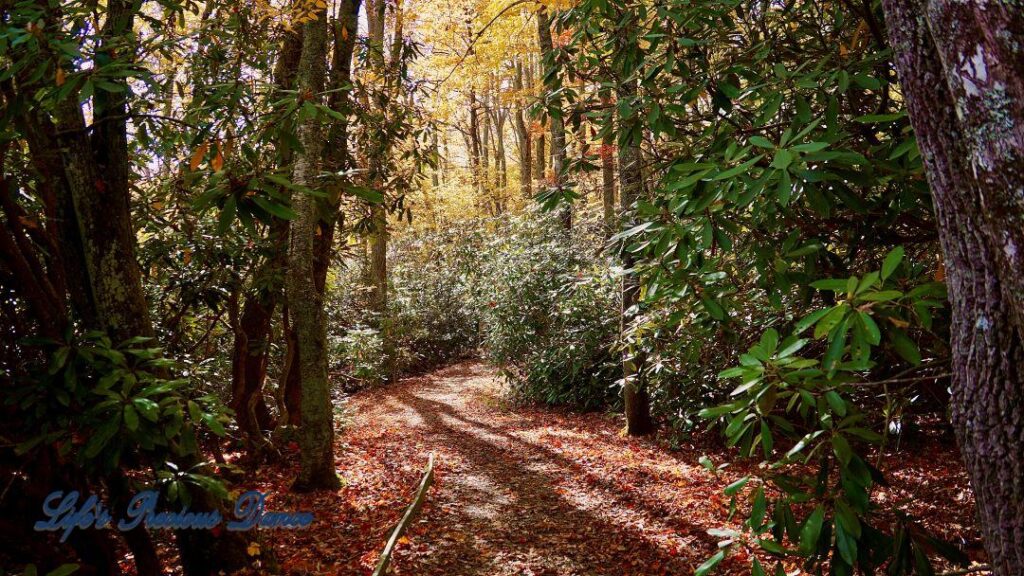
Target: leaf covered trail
[{"x": 522, "y": 491}]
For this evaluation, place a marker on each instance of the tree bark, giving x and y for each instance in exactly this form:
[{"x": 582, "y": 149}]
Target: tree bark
[
  {"x": 305, "y": 302},
  {"x": 962, "y": 73}
]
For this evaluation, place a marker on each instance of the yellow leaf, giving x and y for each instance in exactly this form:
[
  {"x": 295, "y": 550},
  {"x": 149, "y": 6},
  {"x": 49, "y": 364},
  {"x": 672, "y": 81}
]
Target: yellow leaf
[
  {"x": 198, "y": 155},
  {"x": 253, "y": 549}
]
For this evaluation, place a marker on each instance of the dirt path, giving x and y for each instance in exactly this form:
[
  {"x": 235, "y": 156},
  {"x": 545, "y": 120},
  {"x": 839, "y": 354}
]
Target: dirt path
[{"x": 518, "y": 491}]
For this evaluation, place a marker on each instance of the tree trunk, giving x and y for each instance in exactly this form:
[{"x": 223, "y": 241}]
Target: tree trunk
[
  {"x": 474, "y": 141},
  {"x": 555, "y": 119},
  {"x": 523, "y": 132},
  {"x": 962, "y": 72},
  {"x": 634, "y": 391},
  {"x": 252, "y": 341},
  {"x": 305, "y": 302},
  {"x": 378, "y": 240},
  {"x": 608, "y": 172},
  {"x": 485, "y": 146}
]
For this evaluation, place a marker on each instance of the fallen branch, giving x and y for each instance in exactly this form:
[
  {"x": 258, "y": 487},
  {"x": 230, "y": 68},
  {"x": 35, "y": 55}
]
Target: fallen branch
[{"x": 403, "y": 524}]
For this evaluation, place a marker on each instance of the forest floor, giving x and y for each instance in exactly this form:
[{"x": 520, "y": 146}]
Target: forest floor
[{"x": 537, "y": 491}]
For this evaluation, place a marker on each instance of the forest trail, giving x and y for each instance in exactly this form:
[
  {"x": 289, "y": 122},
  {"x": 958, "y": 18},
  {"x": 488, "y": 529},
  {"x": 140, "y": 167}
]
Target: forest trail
[
  {"x": 523, "y": 491},
  {"x": 535, "y": 492}
]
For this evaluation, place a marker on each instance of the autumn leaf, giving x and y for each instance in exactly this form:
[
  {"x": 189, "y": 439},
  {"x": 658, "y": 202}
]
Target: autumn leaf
[
  {"x": 60, "y": 77},
  {"x": 218, "y": 160},
  {"x": 198, "y": 155}
]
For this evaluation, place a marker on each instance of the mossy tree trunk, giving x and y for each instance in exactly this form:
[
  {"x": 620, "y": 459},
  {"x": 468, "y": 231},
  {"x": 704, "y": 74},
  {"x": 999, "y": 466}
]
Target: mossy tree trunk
[
  {"x": 305, "y": 302},
  {"x": 961, "y": 66}
]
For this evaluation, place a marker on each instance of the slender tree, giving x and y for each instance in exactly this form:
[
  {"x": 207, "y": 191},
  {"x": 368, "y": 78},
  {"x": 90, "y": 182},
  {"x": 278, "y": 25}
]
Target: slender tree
[
  {"x": 555, "y": 117},
  {"x": 634, "y": 391},
  {"x": 306, "y": 303},
  {"x": 608, "y": 171},
  {"x": 961, "y": 66},
  {"x": 523, "y": 135}
]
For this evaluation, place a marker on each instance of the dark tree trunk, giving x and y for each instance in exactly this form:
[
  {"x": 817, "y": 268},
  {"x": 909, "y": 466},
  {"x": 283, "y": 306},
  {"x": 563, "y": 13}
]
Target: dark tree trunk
[{"x": 962, "y": 71}]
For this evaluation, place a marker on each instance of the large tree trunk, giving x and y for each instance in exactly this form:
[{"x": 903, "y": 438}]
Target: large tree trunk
[
  {"x": 634, "y": 391},
  {"x": 556, "y": 120},
  {"x": 962, "y": 71},
  {"x": 305, "y": 302}
]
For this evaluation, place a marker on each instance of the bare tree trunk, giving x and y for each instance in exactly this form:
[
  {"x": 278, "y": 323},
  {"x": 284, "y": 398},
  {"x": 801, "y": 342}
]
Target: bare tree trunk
[
  {"x": 962, "y": 72},
  {"x": 305, "y": 302}
]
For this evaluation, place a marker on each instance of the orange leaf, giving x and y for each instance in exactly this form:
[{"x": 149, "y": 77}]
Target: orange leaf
[
  {"x": 198, "y": 155},
  {"x": 60, "y": 77},
  {"x": 218, "y": 161}
]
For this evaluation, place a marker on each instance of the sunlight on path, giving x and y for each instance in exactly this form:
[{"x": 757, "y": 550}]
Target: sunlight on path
[{"x": 530, "y": 492}]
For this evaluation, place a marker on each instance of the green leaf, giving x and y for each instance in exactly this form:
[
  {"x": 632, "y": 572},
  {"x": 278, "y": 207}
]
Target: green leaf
[
  {"x": 830, "y": 284},
  {"x": 758, "y": 509},
  {"x": 809, "y": 320},
  {"x": 761, "y": 141},
  {"x": 131, "y": 418},
  {"x": 892, "y": 260},
  {"x": 826, "y": 324},
  {"x": 881, "y": 296},
  {"x": 735, "y": 487},
  {"x": 870, "y": 328},
  {"x": 227, "y": 214},
  {"x": 709, "y": 564},
  {"x": 842, "y": 449},
  {"x": 280, "y": 210},
  {"x": 836, "y": 402},
  {"x": 63, "y": 570},
  {"x": 905, "y": 347},
  {"x": 783, "y": 158},
  {"x": 811, "y": 531},
  {"x": 714, "y": 308}
]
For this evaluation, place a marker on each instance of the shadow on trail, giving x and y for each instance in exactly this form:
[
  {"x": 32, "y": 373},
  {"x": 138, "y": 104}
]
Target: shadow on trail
[{"x": 516, "y": 521}]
